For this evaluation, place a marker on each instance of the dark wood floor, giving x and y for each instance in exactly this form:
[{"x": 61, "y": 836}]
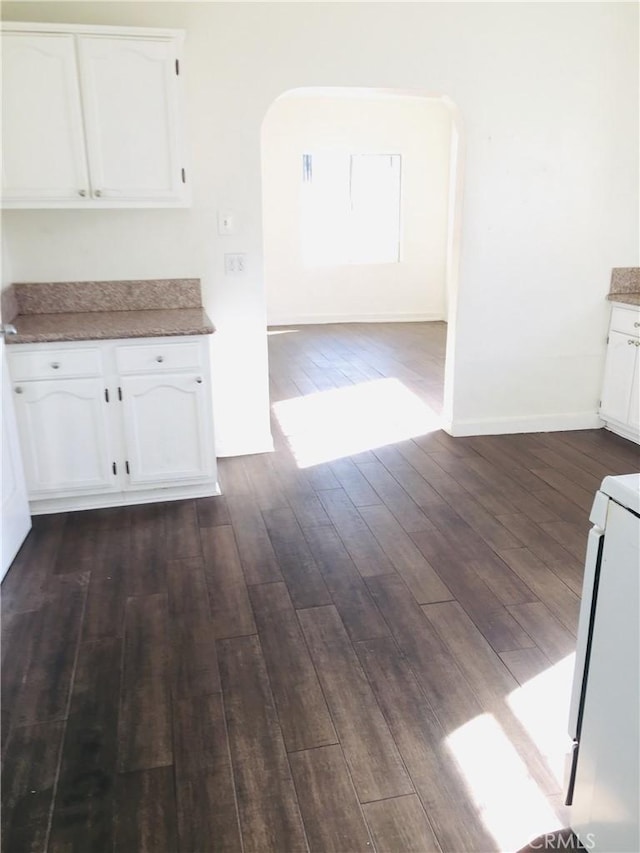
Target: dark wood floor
[{"x": 295, "y": 665}]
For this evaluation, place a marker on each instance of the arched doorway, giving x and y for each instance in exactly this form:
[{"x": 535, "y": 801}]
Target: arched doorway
[{"x": 329, "y": 146}]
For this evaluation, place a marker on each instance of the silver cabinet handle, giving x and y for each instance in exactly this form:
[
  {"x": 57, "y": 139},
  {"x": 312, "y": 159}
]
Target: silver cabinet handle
[
  {"x": 8, "y": 329},
  {"x": 636, "y": 325},
  {"x": 55, "y": 365},
  {"x": 18, "y": 389},
  {"x": 83, "y": 193},
  {"x": 160, "y": 359},
  {"x": 631, "y": 341},
  {"x": 199, "y": 380},
  {"x": 98, "y": 193}
]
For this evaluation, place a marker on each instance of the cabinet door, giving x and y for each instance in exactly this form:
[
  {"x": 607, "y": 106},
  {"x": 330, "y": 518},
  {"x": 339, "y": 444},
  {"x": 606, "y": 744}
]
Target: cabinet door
[
  {"x": 167, "y": 428},
  {"x": 42, "y": 137},
  {"x": 618, "y": 377},
  {"x": 130, "y": 98},
  {"x": 15, "y": 520},
  {"x": 634, "y": 399},
  {"x": 64, "y": 432}
]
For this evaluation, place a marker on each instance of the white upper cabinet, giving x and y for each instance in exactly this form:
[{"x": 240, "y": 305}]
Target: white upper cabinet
[
  {"x": 130, "y": 97},
  {"x": 42, "y": 135},
  {"x": 92, "y": 117}
]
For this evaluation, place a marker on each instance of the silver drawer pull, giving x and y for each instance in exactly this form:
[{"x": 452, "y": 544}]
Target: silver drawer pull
[
  {"x": 55, "y": 365},
  {"x": 636, "y": 325},
  {"x": 18, "y": 389},
  {"x": 199, "y": 380},
  {"x": 160, "y": 359}
]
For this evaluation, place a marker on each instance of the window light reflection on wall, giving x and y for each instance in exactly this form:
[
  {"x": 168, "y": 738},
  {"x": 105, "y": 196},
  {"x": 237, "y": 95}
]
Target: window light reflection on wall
[{"x": 350, "y": 208}]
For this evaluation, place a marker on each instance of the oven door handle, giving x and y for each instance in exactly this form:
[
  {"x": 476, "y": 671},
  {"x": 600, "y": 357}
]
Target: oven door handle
[{"x": 595, "y": 544}]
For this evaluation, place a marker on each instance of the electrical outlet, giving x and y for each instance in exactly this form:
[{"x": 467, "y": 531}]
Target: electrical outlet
[{"x": 235, "y": 263}]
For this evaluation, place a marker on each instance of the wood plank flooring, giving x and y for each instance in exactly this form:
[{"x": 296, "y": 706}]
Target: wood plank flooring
[{"x": 300, "y": 664}]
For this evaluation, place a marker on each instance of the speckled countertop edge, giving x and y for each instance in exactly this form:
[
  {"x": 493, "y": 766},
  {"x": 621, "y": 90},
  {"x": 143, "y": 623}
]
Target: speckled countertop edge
[
  {"x": 625, "y": 298},
  {"x": 107, "y": 325}
]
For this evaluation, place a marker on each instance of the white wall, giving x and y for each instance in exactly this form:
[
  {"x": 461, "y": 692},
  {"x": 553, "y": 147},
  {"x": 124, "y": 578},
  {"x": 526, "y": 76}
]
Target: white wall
[
  {"x": 548, "y": 93},
  {"x": 6, "y": 270},
  {"x": 356, "y": 121}
]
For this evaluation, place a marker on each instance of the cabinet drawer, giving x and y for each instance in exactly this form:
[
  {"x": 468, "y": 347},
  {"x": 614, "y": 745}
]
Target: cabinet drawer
[
  {"x": 626, "y": 321},
  {"x": 158, "y": 357},
  {"x": 54, "y": 363}
]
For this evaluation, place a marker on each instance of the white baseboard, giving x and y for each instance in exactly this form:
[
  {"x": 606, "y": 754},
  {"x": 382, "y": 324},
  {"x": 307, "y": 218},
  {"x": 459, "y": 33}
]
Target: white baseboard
[
  {"x": 624, "y": 430},
  {"x": 71, "y": 503},
  {"x": 533, "y": 423},
  {"x": 310, "y": 319}
]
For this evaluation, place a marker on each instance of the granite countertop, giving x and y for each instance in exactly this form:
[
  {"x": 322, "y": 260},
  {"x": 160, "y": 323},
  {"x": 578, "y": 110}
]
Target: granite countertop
[
  {"x": 82, "y": 311},
  {"x": 101, "y": 325},
  {"x": 625, "y": 285}
]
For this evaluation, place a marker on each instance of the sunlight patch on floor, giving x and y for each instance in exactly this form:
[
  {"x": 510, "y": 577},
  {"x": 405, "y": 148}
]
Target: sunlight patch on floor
[
  {"x": 330, "y": 425},
  {"x": 510, "y": 803},
  {"x": 542, "y": 706}
]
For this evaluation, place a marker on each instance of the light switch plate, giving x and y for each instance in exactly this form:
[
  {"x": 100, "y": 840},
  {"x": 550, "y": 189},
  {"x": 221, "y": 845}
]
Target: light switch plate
[{"x": 226, "y": 223}]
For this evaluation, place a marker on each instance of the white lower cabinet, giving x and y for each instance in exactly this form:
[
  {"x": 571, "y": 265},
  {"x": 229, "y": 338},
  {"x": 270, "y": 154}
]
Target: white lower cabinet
[
  {"x": 139, "y": 429},
  {"x": 621, "y": 364},
  {"x": 620, "y": 403},
  {"x": 64, "y": 431},
  {"x": 165, "y": 428}
]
